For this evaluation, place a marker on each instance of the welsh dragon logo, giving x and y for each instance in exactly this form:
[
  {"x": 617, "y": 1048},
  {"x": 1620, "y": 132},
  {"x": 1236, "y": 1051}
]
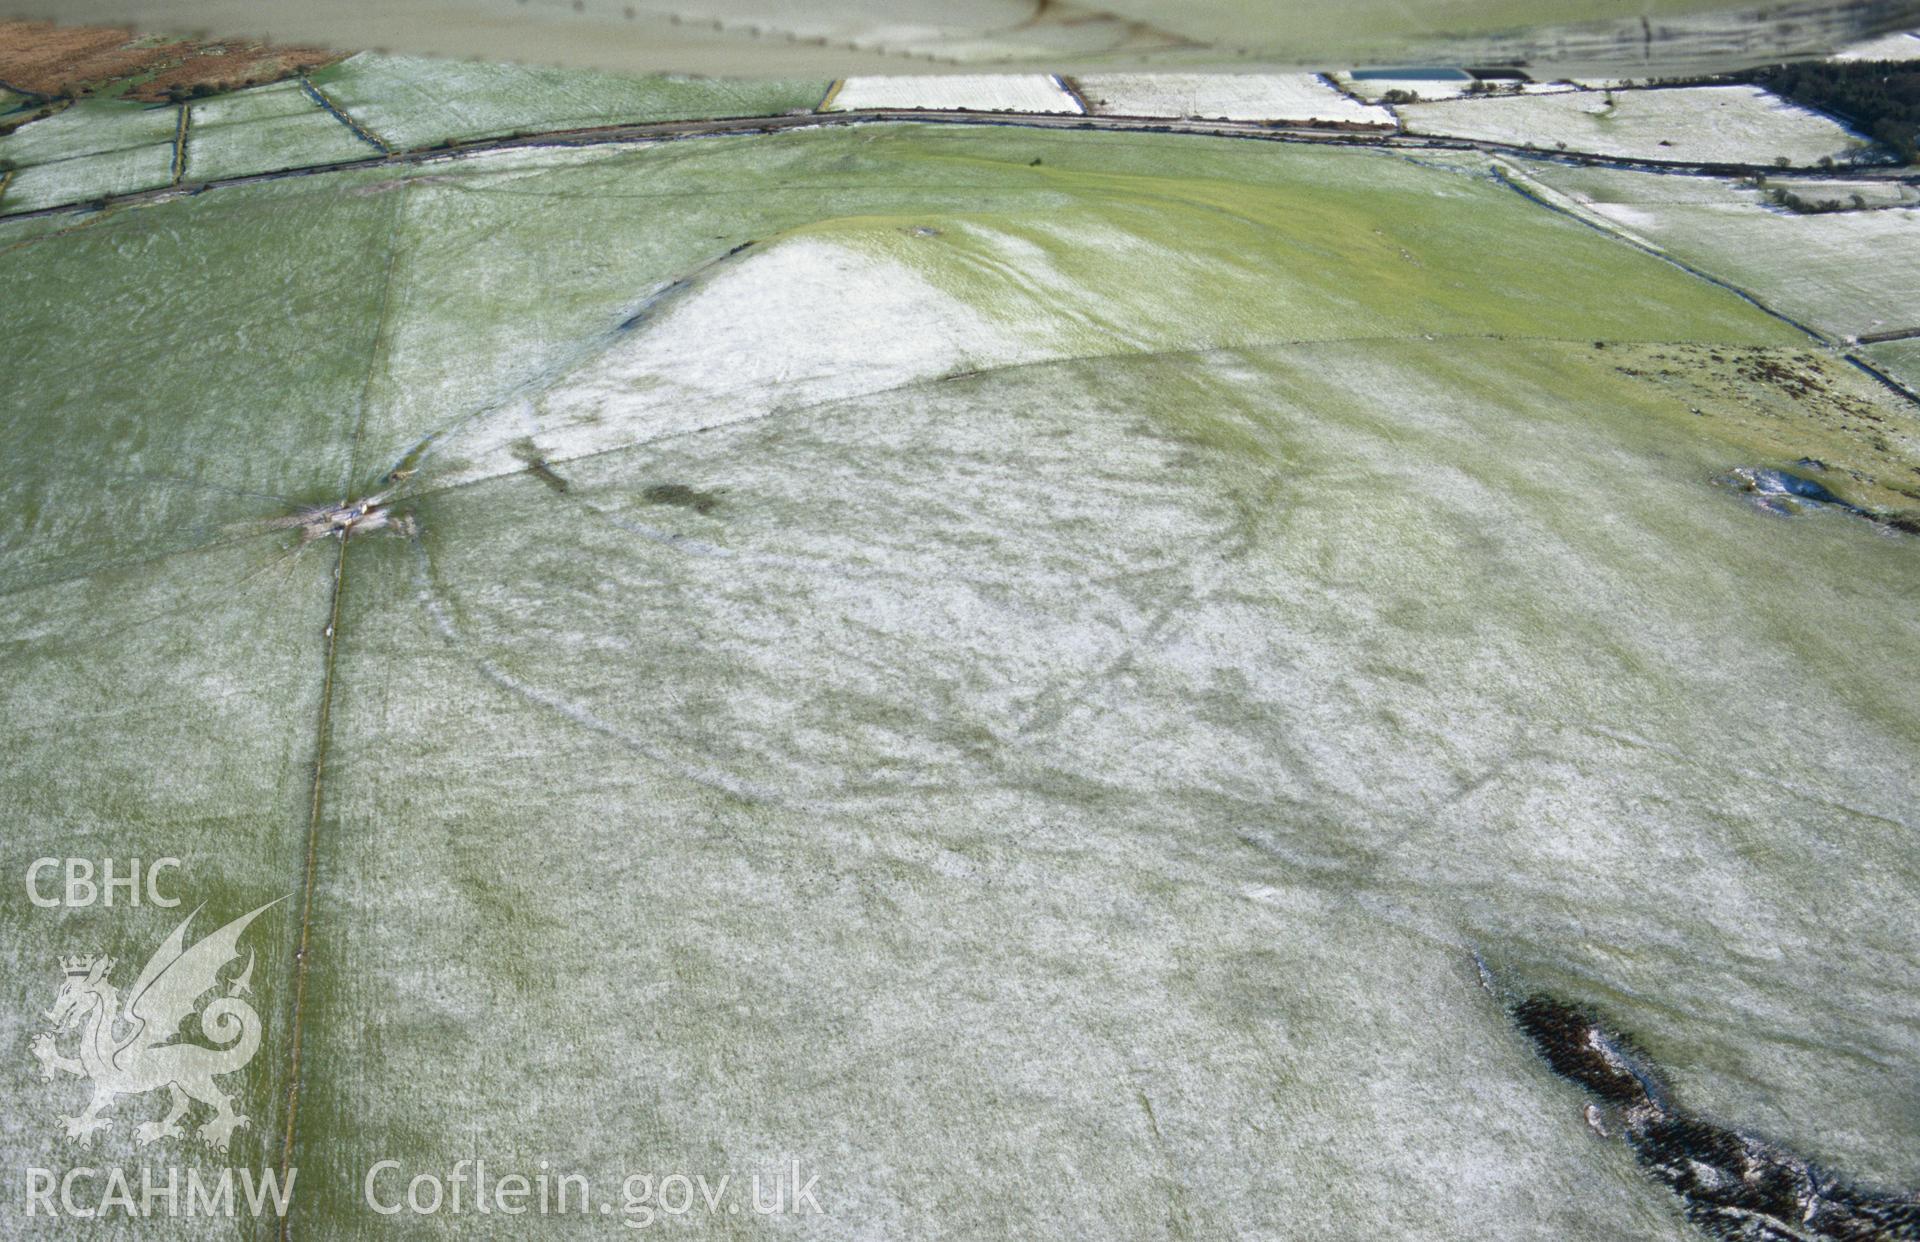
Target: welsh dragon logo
[{"x": 128, "y": 1052}]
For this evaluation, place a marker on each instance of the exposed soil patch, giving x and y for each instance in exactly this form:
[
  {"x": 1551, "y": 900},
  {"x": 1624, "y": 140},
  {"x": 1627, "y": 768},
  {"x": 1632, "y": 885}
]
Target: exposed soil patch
[
  {"x": 681, "y": 496},
  {"x": 1732, "y": 1184},
  {"x": 1796, "y": 405},
  {"x": 43, "y": 59},
  {"x": 346, "y": 519},
  {"x": 1613, "y": 1068},
  {"x": 1781, "y": 492}
]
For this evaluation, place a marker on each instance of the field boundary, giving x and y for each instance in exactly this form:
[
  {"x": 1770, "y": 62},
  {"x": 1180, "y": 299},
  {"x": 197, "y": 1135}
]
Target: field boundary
[
  {"x": 180, "y": 146},
  {"x": 667, "y": 131},
  {"x": 310, "y": 868},
  {"x": 1561, "y": 204},
  {"x": 339, "y": 114},
  {"x": 324, "y": 726},
  {"x": 1071, "y": 89}
]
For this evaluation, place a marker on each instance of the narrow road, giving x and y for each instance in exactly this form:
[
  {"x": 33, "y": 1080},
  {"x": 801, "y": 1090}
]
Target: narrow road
[{"x": 1264, "y": 131}]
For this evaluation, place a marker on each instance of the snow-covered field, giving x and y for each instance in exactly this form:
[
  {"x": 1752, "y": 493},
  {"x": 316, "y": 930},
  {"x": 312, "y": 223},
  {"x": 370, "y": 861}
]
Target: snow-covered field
[
  {"x": 991, "y": 92},
  {"x": 1846, "y": 273},
  {"x": 416, "y": 102},
  {"x": 1900, "y": 359},
  {"x": 278, "y": 126},
  {"x": 936, "y": 652},
  {"x": 1711, "y": 124},
  {"x": 1234, "y": 97},
  {"x": 89, "y": 127},
  {"x": 92, "y": 148},
  {"x": 1903, "y": 46},
  {"x": 1599, "y": 184},
  {"x": 88, "y": 176}
]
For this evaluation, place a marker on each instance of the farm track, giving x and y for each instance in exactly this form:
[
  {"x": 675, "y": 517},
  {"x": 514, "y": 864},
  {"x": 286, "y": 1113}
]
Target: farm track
[{"x": 668, "y": 131}]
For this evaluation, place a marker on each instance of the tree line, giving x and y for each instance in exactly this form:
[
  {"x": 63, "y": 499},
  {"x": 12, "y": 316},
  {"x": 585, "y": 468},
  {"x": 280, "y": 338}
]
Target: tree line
[{"x": 1881, "y": 99}]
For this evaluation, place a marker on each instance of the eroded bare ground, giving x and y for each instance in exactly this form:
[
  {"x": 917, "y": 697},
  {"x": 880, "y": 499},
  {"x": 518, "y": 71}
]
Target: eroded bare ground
[
  {"x": 1734, "y": 1185},
  {"x": 41, "y": 58},
  {"x": 1797, "y": 409}
]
